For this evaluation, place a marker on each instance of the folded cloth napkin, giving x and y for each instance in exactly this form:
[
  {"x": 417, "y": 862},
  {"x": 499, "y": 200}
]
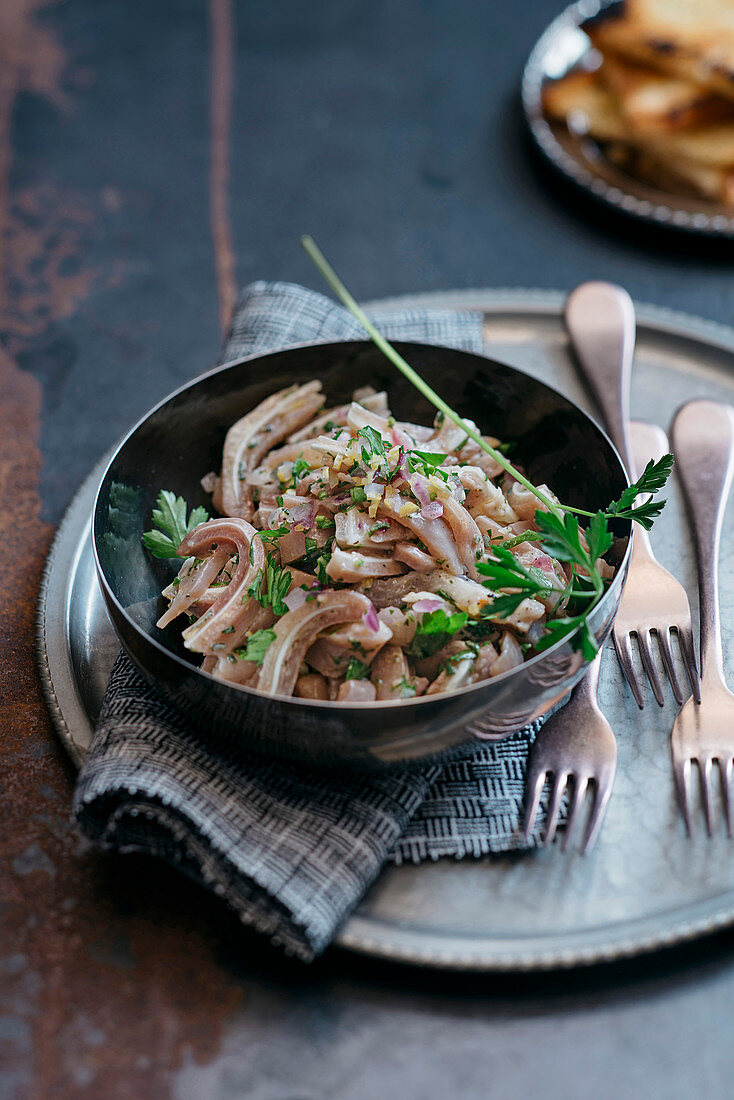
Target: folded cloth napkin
[{"x": 291, "y": 851}]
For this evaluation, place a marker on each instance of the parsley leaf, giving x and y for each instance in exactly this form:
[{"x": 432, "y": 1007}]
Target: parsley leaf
[
  {"x": 652, "y": 480},
  {"x": 425, "y": 462},
  {"x": 170, "y": 518},
  {"x": 575, "y": 627},
  {"x": 434, "y": 630},
  {"x": 277, "y": 583},
  {"x": 598, "y": 536},
  {"x": 374, "y": 444},
  {"x": 562, "y": 538},
  {"x": 257, "y": 646},
  {"x": 274, "y": 533},
  {"x": 300, "y": 469},
  {"x": 356, "y": 670}
]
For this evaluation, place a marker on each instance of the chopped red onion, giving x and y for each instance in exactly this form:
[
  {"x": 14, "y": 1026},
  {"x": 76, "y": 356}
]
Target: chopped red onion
[
  {"x": 542, "y": 562},
  {"x": 373, "y": 491},
  {"x": 303, "y": 515},
  {"x": 457, "y": 489},
  {"x": 209, "y": 482},
  {"x": 370, "y": 619},
  {"x": 426, "y": 605},
  {"x": 433, "y": 510},
  {"x": 296, "y": 598},
  {"x": 420, "y": 490}
]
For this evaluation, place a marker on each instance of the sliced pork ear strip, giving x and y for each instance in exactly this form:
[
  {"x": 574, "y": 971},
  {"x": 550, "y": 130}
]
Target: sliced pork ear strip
[
  {"x": 228, "y": 620},
  {"x": 296, "y": 632},
  {"x": 251, "y": 437}
]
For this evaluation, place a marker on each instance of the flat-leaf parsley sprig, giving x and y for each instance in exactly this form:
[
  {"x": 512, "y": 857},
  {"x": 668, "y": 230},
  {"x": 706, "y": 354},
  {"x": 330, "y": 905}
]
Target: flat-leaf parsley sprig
[
  {"x": 170, "y": 517},
  {"x": 559, "y": 532}
]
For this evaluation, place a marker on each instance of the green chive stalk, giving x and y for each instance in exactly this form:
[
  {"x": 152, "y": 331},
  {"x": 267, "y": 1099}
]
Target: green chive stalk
[{"x": 331, "y": 277}]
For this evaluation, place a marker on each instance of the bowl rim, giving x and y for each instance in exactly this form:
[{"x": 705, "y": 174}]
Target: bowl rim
[{"x": 339, "y": 706}]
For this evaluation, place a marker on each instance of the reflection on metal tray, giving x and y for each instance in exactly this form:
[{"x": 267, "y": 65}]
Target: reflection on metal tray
[
  {"x": 562, "y": 47},
  {"x": 644, "y": 885}
]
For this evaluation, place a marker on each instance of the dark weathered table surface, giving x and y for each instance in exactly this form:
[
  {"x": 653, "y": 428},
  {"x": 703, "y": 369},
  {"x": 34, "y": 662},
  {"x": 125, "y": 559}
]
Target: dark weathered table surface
[{"x": 153, "y": 156}]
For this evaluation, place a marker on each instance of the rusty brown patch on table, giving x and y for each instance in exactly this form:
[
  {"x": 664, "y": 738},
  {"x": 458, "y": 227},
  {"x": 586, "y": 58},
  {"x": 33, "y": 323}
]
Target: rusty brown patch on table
[{"x": 106, "y": 1001}]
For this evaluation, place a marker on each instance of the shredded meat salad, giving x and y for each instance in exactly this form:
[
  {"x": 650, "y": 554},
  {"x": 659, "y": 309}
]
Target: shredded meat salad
[{"x": 344, "y": 564}]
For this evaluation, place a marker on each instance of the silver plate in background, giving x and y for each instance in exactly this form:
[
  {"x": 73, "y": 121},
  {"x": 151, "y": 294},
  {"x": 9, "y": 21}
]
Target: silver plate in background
[
  {"x": 562, "y": 47},
  {"x": 644, "y": 885}
]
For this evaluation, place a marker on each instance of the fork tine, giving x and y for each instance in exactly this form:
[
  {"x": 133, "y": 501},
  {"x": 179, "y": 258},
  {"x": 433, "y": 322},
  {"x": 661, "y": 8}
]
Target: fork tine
[
  {"x": 685, "y": 639},
  {"x": 533, "y": 802},
  {"x": 559, "y": 784},
  {"x": 667, "y": 655},
  {"x": 705, "y": 768},
  {"x": 727, "y": 772},
  {"x": 602, "y": 794},
  {"x": 624, "y": 656},
  {"x": 643, "y": 640},
  {"x": 682, "y": 773},
  {"x": 580, "y": 787}
]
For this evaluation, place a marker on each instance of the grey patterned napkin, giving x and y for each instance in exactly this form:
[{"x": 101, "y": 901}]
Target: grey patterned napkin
[{"x": 291, "y": 851}]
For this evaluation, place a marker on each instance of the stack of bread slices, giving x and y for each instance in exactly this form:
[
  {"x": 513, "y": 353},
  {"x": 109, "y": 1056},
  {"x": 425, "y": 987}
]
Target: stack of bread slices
[{"x": 661, "y": 101}]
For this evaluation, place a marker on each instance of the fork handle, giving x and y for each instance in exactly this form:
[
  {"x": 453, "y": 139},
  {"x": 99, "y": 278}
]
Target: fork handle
[
  {"x": 703, "y": 444},
  {"x": 600, "y": 320},
  {"x": 648, "y": 444}
]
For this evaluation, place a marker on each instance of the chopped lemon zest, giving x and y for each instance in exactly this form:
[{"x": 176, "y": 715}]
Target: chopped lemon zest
[{"x": 408, "y": 508}]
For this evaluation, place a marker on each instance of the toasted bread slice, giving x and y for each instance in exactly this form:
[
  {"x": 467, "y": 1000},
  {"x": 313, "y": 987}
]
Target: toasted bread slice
[
  {"x": 581, "y": 101},
  {"x": 688, "y": 39},
  {"x": 684, "y": 176},
  {"x": 654, "y": 103},
  {"x": 712, "y": 146}
]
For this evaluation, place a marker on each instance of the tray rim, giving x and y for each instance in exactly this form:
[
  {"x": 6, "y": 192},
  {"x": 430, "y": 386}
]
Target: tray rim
[
  {"x": 663, "y": 212},
  {"x": 370, "y": 936}
]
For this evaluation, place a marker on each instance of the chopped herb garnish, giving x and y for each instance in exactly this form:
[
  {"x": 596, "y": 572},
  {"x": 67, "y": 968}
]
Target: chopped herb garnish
[
  {"x": 228, "y": 630},
  {"x": 257, "y": 646},
  {"x": 406, "y": 688},
  {"x": 277, "y": 583},
  {"x": 426, "y": 462},
  {"x": 356, "y": 670},
  {"x": 506, "y": 448},
  {"x": 169, "y": 516},
  {"x": 300, "y": 469},
  {"x": 325, "y": 523},
  {"x": 358, "y": 494},
  {"x": 274, "y": 533},
  {"x": 373, "y": 445},
  {"x": 449, "y": 665},
  {"x": 433, "y": 632}
]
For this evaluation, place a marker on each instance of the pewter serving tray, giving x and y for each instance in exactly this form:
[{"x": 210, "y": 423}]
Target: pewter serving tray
[{"x": 645, "y": 885}]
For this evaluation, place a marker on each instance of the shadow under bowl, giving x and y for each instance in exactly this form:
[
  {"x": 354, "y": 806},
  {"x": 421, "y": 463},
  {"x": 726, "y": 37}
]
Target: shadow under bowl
[{"x": 181, "y": 440}]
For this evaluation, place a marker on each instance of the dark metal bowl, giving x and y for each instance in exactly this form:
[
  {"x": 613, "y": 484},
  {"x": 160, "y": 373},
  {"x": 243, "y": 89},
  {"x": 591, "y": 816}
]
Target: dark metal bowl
[{"x": 180, "y": 441}]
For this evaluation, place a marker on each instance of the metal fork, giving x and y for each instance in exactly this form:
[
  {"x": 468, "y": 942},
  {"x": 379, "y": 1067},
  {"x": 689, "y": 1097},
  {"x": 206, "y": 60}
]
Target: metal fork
[
  {"x": 600, "y": 319},
  {"x": 652, "y": 599},
  {"x": 703, "y": 732},
  {"x": 576, "y": 748}
]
